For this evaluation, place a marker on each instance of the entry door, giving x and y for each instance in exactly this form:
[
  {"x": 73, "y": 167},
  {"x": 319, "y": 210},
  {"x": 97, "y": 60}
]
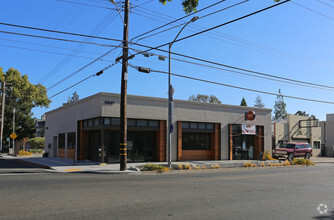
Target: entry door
[
  {"x": 55, "y": 147},
  {"x": 298, "y": 151}
]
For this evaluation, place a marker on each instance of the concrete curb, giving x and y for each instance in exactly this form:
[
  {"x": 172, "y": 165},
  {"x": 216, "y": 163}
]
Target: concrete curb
[{"x": 35, "y": 164}]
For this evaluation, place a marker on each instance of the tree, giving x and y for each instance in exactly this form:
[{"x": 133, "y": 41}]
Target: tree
[
  {"x": 190, "y": 5},
  {"x": 303, "y": 113},
  {"x": 258, "y": 102},
  {"x": 74, "y": 98},
  {"x": 204, "y": 98},
  {"x": 36, "y": 143},
  {"x": 243, "y": 102},
  {"x": 22, "y": 96},
  {"x": 279, "y": 107}
]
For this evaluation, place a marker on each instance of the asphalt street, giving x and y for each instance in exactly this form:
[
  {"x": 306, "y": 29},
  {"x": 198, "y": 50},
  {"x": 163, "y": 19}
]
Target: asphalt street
[
  {"x": 17, "y": 166},
  {"x": 238, "y": 193}
]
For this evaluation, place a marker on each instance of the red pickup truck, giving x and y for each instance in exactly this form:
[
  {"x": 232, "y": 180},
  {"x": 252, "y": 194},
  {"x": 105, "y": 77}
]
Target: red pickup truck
[{"x": 293, "y": 149}]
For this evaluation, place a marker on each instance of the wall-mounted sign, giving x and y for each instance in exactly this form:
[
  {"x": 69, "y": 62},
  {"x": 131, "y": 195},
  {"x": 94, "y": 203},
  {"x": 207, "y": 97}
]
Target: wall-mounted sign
[
  {"x": 250, "y": 116},
  {"x": 108, "y": 102},
  {"x": 248, "y": 129}
]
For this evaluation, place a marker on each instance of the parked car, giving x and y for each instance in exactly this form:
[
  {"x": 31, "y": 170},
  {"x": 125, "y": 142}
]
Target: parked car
[{"x": 292, "y": 150}]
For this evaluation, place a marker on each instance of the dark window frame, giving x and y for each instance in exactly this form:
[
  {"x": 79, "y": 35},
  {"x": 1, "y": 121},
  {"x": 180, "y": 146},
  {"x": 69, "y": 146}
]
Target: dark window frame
[
  {"x": 71, "y": 140},
  {"x": 61, "y": 141},
  {"x": 196, "y": 141}
]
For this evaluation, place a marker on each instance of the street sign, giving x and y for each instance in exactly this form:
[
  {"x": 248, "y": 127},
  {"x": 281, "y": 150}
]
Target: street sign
[{"x": 13, "y": 136}]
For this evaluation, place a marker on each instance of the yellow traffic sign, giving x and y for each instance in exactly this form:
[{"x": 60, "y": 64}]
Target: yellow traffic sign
[{"x": 13, "y": 135}]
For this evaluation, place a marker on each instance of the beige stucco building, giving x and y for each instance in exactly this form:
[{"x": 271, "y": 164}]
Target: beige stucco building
[
  {"x": 202, "y": 131},
  {"x": 327, "y": 130},
  {"x": 296, "y": 128}
]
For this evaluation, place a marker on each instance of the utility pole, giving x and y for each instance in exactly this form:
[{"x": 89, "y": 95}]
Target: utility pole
[
  {"x": 123, "y": 119},
  {"x": 2, "y": 113}
]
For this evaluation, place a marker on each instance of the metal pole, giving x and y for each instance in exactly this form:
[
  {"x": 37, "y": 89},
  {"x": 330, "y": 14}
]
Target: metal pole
[
  {"x": 123, "y": 119},
  {"x": 2, "y": 113},
  {"x": 170, "y": 116},
  {"x": 170, "y": 97},
  {"x": 13, "y": 131}
]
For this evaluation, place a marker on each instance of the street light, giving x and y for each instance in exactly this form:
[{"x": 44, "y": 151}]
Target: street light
[{"x": 170, "y": 97}]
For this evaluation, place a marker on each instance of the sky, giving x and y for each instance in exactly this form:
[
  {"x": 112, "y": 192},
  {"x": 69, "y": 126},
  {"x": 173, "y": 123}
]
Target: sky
[{"x": 293, "y": 40}]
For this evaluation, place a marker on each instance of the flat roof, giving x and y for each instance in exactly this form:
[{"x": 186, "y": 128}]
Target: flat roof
[{"x": 148, "y": 98}]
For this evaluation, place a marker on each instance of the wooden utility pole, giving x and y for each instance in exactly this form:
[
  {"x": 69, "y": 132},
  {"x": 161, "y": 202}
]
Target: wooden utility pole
[{"x": 123, "y": 119}]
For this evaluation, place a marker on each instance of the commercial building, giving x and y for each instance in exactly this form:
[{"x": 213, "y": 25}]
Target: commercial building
[
  {"x": 89, "y": 128},
  {"x": 327, "y": 130},
  {"x": 297, "y": 128}
]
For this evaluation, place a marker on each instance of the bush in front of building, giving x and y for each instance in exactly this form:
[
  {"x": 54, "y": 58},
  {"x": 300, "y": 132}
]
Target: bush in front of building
[
  {"x": 267, "y": 156},
  {"x": 250, "y": 164},
  {"x": 36, "y": 143},
  {"x": 154, "y": 167},
  {"x": 24, "y": 153},
  {"x": 302, "y": 161}
]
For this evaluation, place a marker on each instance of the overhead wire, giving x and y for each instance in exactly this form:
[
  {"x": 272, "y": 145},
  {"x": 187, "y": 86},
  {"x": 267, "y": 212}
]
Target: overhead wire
[
  {"x": 201, "y": 17},
  {"x": 183, "y": 55},
  {"x": 217, "y": 26},
  {"x": 312, "y": 10},
  {"x": 251, "y": 75},
  {"x": 177, "y": 20},
  {"x": 324, "y": 3},
  {"x": 98, "y": 28},
  {"x": 79, "y": 70},
  {"x": 81, "y": 81},
  {"x": 237, "y": 87}
]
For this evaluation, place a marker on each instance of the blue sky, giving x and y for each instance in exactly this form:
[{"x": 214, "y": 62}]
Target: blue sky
[{"x": 288, "y": 41}]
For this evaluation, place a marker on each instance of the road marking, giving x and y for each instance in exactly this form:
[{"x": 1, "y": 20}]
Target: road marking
[{"x": 73, "y": 170}]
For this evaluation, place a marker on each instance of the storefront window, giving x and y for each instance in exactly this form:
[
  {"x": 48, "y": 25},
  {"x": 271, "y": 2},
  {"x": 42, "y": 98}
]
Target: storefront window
[
  {"x": 115, "y": 121},
  {"x": 61, "y": 140},
  {"x": 71, "y": 140},
  {"x": 96, "y": 121},
  {"x": 142, "y": 123},
  {"x": 196, "y": 141},
  {"x": 153, "y": 124},
  {"x": 107, "y": 121}
]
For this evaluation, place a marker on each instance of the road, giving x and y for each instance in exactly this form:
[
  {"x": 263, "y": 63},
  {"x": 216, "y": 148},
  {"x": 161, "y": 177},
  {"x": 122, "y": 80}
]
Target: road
[
  {"x": 17, "y": 166},
  {"x": 240, "y": 193}
]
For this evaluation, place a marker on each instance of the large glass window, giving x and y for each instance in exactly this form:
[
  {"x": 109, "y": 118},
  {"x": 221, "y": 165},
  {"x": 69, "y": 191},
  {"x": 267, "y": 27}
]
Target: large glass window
[
  {"x": 196, "y": 141},
  {"x": 61, "y": 140},
  {"x": 71, "y": 140},
  {"x": 197, "y": 126}
]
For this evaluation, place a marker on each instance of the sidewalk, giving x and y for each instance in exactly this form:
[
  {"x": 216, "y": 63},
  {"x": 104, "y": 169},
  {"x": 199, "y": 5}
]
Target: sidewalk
[{"x": 68, "y": 165}]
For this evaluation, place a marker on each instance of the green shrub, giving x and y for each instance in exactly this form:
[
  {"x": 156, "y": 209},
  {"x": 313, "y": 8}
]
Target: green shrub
[
  {"x": 37, "y": 143},
  {"x": 302, "y": 161},
  {"x": 154, "y": 167}
]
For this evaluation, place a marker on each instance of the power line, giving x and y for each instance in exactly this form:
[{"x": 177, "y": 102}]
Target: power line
[
  {"x": 237, "y": 87},
  {"x": 58, "y": 39},
  {"x": 98, "y": 28},
  {"x": 215, "y": 27},
  {"x": 97, "y": 74},
  {"x": 50, "y": 52},
  {"x": 247, "y": 74},
  {"x": 79, "y": 70},
  {"x": 84, "y": 4},
  {"x": 177, "y": 19},
  {"x": 231, "y": 6},
  {"x": 314, "y": 11},
  {"x": 178, "y": 54},
  {"x": 324, "y": 3},
  {"x": 241, "y": 69},
  {"x": 58, "y": 32}
]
